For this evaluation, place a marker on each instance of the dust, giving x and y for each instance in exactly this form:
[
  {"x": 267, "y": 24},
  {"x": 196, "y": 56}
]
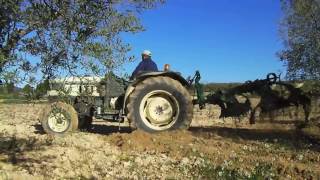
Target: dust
[{"x": 173, "y": 143}]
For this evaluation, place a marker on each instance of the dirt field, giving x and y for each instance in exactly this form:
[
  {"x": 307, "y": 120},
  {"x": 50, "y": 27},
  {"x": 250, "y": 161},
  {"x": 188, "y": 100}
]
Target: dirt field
[{"x": 211, "y": 149}]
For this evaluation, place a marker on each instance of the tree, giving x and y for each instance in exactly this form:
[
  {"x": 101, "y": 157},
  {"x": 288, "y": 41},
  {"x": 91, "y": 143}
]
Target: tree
[
  {"x": 300, "y": 30},
  {"x": 42, "y": 89},
  {"x": 70, "y": 34},
  {"x": 10, "y": 79},
  {"x": 10, "y": 87},
  {"x": 28, "y": 91}
]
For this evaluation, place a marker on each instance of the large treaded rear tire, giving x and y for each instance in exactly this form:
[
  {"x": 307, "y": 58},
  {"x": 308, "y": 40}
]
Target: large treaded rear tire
[
  {"x": 171, "y": 92},
  {"x": 59, "y": 118}
]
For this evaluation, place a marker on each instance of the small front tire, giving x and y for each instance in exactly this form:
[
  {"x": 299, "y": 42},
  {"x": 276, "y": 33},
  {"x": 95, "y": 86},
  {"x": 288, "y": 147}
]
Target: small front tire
[{"x": 59, "y": 118}]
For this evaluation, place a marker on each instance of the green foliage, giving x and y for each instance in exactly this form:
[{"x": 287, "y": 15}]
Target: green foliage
[
  {"x": 219, "y": 86},
  {"x": 9, "y": 79},
  {"x": 300, "y": 30},
  {"x": 28, "y": 91},
  {"x": 11, "y": 98},
  {"x": 42, "y": 89},
  {"x": 311, "y": 87},
  {"x": 68, "y": 35},
  {"x": 10, "y": 87},
  {"x": 9, "y": 13},
  {"x": 260, "y": 172},
  {"x": 7, "y": 88},
  {"x": 36, "y": 93}
]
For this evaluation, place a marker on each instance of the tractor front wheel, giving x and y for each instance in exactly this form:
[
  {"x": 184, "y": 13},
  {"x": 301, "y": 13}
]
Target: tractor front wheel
[{"x": 59, "y": 118}]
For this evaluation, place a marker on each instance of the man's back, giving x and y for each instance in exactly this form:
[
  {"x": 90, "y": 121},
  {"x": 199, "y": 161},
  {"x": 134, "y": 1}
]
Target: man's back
[{"x": 145, "y": 66}]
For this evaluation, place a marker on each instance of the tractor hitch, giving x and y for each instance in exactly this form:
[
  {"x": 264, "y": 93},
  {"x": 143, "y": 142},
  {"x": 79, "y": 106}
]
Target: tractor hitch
[{"x": 201, "y": 100}]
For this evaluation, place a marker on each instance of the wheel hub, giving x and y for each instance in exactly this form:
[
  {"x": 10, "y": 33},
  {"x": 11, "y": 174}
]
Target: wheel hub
[
  {"x": 58, "y": 122},
  {"x": 159, "y": 110}
]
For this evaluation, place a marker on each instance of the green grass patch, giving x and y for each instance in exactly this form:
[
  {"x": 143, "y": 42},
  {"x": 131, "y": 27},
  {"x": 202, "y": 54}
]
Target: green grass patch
[
  {"x": 12, "y": 99},
  {"x": 260, "y": 172}
]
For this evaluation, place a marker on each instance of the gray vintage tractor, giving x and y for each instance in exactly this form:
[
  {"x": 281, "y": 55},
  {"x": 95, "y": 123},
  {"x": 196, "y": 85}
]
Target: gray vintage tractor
[{"x": 153, "y": 102}]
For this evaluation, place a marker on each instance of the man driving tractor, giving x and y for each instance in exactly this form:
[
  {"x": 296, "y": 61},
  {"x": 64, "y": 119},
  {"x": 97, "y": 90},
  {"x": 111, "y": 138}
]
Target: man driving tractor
[{"x": 147, "y": 64}]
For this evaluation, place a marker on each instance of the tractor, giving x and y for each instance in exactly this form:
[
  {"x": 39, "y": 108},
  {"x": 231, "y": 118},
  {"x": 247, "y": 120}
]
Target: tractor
[
  {"x": 152, "y": 102},
  {"x": 158, "y": 101}
]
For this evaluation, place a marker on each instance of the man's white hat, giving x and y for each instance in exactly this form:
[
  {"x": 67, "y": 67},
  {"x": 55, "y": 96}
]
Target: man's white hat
[{"x": 147, "y": 52}]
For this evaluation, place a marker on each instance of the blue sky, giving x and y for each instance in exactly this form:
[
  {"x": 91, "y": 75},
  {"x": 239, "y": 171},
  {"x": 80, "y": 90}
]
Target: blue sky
[{"x": 228, "y": 41}]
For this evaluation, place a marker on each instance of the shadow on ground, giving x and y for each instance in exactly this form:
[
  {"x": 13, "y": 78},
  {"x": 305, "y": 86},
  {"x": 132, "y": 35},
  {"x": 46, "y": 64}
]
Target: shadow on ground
[
  {"x": 108, "y": 129},
  {"x": 38, "y": 129},
  {"x": 289, "y": 138},
  {"x": 96, "y": 129},
  {"x": 14, "y": 148}
]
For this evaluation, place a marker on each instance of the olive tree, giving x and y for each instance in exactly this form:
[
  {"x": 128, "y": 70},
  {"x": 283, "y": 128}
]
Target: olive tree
[
  {"x": 68, "y": 35},
  {"x": 300, "y": 31}
]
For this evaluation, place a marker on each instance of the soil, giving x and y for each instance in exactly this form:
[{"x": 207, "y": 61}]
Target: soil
[{"x": 211, "y": 149}]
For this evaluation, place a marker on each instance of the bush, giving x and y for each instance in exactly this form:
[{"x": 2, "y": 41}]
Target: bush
[
  {"x": 10, "y": 87},
  {"x": 28, "y": 91},
  {"x": 219, "y": 86},
  {"x": 42, "y": 89}
]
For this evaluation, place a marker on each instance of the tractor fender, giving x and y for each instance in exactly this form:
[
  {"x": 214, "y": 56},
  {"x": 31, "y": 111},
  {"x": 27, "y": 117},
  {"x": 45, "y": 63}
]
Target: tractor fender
[
  {"x": 140, "y": 78},
  {"x": 174, "y": 75}
]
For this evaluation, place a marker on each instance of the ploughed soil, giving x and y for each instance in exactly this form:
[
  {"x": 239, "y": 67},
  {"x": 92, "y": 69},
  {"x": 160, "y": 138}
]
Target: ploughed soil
[{"x": 274, "y": 148}]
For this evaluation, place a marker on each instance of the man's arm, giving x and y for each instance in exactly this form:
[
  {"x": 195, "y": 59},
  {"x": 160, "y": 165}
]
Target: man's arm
[
  {"x": 138, "y": 68},
  {"x": 155, "y": 67}
]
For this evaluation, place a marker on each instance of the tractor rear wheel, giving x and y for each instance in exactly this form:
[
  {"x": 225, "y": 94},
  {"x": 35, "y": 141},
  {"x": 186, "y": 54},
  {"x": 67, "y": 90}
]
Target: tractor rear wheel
[
  {"x": 160, "y": 104},
  {"x": 59, "y": 118}
]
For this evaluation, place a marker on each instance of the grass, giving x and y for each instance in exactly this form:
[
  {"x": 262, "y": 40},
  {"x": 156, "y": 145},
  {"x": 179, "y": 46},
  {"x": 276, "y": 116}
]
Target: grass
[
  {"x": 206, "y": 169},
  {"x": 210, "y": 171},
  {"x": 12, "y": 98}
]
